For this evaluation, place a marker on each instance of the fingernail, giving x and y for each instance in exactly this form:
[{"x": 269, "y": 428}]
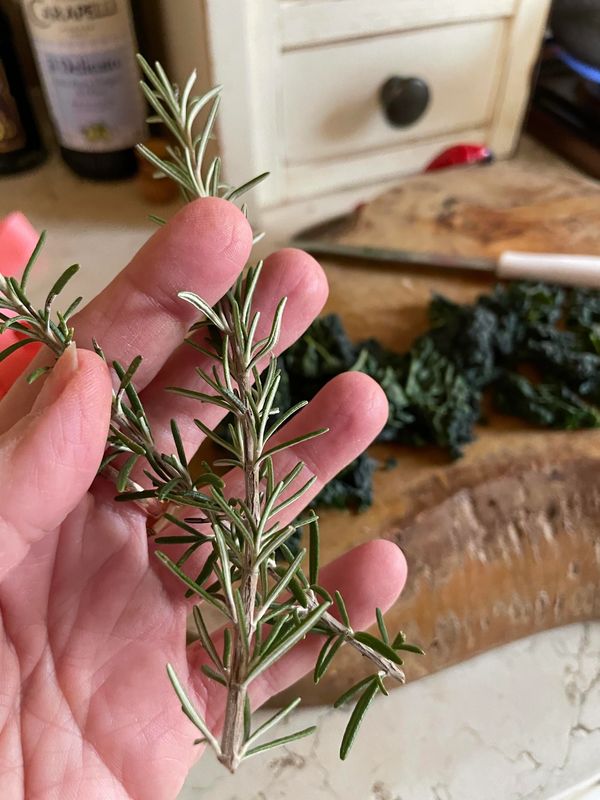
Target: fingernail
[{"x": 58, "y": 379}]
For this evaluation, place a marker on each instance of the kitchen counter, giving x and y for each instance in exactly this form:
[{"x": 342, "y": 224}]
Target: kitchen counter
[{"x": 519, "y": 723}]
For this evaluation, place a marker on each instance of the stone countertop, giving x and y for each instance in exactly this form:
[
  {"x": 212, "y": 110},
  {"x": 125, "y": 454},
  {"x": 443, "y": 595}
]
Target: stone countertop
[{"x": 519, "y": 723}]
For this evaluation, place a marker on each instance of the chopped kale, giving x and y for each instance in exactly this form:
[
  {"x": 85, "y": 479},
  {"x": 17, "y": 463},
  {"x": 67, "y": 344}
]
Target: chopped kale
[
  {"x": 545, "y": 404},
  {"x": 389, "y": 370},
  {"x": 526, "y": 303},
  {"x": 324, "y": 351},
  {"x": 429, "y": 400},
  {"x": 352, "y": 487},
  {"x": 566, "y": 356},
  {"x": 443, "y": 404},
  {"x": 583, "y": 309},
  {"x": 435, "y": 389},
  {"x": 467, "y": 336}
]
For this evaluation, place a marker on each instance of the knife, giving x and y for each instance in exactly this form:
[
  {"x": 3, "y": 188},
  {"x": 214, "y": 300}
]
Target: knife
[{"x": 563, "y": 268}]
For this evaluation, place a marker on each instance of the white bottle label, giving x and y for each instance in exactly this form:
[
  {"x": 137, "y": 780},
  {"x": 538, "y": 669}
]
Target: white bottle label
[{"x": 86, "y": 57}]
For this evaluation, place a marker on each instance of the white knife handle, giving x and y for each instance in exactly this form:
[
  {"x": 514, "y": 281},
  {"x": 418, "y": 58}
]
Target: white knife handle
[{"x": 550, "y": 267}]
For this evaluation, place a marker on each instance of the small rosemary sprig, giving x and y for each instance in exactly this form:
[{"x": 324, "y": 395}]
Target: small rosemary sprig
[
  {"x": 267, "y": 605},
  {"x": 36, "y": 325}
]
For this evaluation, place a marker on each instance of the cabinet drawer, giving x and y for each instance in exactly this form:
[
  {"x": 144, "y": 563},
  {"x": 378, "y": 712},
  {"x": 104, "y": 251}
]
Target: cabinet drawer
[{"x": 330, "y": 94}]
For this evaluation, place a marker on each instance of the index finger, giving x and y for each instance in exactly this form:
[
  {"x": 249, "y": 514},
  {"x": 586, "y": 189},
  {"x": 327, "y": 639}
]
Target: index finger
[{"x": 202, "y": 249}]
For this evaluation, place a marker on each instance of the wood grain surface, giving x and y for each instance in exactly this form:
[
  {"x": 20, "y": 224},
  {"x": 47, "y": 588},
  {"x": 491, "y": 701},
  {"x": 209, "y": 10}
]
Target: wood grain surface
[{"x": 504, "y": 542}]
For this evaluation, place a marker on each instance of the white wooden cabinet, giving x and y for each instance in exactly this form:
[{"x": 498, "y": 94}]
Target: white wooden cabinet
[{"x": 302, "y": 82}]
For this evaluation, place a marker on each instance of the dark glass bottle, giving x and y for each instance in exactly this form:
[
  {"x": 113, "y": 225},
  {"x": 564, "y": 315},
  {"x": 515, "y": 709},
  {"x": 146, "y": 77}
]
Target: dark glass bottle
[
  {"x": 86, "y": 59},
  {"x": 21, "y": 147}
]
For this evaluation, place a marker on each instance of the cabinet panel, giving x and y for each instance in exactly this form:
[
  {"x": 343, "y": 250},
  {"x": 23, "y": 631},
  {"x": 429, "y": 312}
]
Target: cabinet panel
[
  {"x": 308, "y": 22},
  {"x": 330, "y": 94}
]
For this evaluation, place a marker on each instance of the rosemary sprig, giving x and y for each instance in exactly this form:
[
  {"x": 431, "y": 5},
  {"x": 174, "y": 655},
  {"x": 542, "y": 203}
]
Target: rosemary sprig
[
  {"x": 36, "y": 325},
  {"x": 267, "y": 606}
]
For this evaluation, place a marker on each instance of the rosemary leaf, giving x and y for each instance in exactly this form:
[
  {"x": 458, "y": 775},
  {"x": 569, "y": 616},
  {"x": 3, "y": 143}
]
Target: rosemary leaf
[
  {"x": 204, "y": 635},
  {"x": 339, "y": 601},
  {"x": 292, "y": 737},
  {"x": 195, "y": 587},
  {"x": 8, "y": 351},
  {"x": 349, "y": 693},
  {"x": 37, "y": 373},
  {"x": 125, "y": 472},
  {"x": 213, "y": 675},
  {"x": 313, "y": 570},
  {"x": 282, "y": 584},
  {"x": 410, "y": 648},
  {"x": 272, "y": 721},
  {"x": 381, "y": 625},
  {"x": 193, "y": 715},
  {"x": 32, "y": 259},
  {"x": 357, "y": 717},
  {"x": 377, "y": 645},
  {"x": 60, "y": 284}
]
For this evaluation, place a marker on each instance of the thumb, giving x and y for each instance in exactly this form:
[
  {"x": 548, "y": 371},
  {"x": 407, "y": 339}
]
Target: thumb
[{"x": 49, "y": 459}]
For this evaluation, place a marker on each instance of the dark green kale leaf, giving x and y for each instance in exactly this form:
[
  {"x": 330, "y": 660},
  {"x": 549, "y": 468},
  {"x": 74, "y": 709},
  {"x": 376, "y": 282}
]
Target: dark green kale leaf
[
  {"x": 532, "y": 303},
  {"x": 565, "y": 356},
  {"x": 481, "y": 336},
  {"x": 467, "y": 336},
  {"x": 545, "y": 404},
  {"x": 518, "y": 308},
  {"x": 444, "y": 405},
  {"x": 389, "y": 370},
  {"x": 430, "y": 402},
  {"x": 352, "y": 487},
  {"x": 323, "y": 352},
  {"x": 583, "y": 310}
]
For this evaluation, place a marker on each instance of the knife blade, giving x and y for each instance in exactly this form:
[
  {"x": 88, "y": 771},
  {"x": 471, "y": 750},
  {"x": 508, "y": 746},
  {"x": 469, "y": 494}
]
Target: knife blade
[{"x": 563, "y": 268}]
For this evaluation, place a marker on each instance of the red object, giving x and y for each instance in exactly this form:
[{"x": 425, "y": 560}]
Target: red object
[
  {"x": 18, "y": 239},
  {"x": 461, "y": 155}
]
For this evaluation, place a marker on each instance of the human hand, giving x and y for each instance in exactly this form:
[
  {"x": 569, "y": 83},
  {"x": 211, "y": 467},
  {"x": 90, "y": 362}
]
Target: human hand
[{"x": 88, "y": 617}]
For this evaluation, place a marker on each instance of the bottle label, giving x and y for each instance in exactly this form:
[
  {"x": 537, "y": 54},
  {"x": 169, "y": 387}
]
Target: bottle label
[
  {"x": 12, "y": 134},
  {"x": 86, "y": 57}
]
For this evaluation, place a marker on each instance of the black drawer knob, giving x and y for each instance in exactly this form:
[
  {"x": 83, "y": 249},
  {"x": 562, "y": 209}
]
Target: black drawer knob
[{"x": 404, "y": 100}]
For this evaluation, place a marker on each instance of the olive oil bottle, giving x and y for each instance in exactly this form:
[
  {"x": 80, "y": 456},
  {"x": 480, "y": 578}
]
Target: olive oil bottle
[{"x": 86, "y": 60}]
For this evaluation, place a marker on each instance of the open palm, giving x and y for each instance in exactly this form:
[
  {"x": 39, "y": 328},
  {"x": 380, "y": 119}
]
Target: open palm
[{"x": 88, "y": 617}]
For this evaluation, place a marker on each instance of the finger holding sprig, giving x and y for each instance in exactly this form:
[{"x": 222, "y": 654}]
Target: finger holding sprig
[{"x": 287, "y": 273}]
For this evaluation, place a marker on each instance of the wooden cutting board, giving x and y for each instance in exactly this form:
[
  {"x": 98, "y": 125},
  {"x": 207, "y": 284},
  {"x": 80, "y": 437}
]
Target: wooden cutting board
[{"x": 506, "y": 541}]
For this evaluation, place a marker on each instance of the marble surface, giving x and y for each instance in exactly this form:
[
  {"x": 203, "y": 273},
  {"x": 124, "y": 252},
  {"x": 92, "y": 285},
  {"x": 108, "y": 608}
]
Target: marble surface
[{"x": 519, "y": 723}]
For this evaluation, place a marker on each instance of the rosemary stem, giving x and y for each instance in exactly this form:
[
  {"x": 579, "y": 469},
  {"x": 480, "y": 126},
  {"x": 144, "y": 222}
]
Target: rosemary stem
[
  {"x": 232, "y": 741},
  {"x": 384, "y": 664}
]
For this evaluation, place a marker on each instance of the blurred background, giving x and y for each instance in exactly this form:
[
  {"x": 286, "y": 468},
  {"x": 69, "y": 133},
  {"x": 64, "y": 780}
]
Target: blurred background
[
  {"x": 411, "y": 146},
  {"x": 336, "y": 100}
]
